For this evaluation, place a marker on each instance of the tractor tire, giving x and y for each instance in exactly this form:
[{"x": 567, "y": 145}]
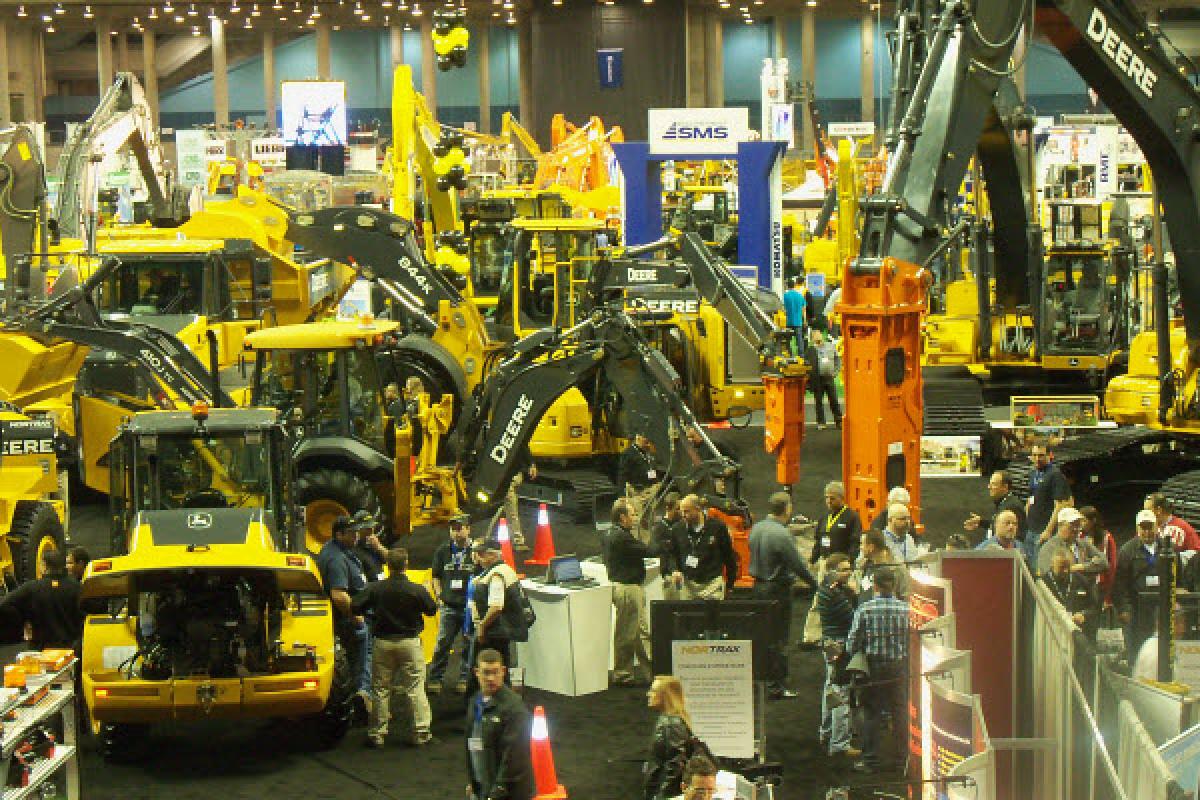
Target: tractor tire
[
  {"x": 327, "y": 494},
  {"x": 35, "y": 529},
  {"x": 330, "y": 725},
  {"x": 122, "y": 743}
]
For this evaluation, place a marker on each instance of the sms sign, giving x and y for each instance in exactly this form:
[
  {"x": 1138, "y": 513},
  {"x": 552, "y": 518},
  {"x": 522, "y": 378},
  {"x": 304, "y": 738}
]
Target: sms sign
[{"x": 697, "y": 131}]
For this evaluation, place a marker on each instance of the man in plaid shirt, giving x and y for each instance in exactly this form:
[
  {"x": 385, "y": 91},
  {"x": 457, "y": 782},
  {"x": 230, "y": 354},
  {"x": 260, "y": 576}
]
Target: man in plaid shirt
[{"x": 880, "y": 631}]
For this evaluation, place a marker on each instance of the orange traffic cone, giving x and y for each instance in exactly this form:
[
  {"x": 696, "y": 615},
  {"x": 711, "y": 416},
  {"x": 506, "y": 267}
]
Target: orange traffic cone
[
  {"x": 543, "y": 546},
  {"x": 544, "y": 777},
  {"x": 505, "y": 542}
]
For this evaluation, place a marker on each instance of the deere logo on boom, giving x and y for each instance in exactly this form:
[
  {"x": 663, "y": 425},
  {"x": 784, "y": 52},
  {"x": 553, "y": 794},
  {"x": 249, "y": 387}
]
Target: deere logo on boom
[
  {"x": 1120, "y": 53},
  {"x": 677, "y": 131}
]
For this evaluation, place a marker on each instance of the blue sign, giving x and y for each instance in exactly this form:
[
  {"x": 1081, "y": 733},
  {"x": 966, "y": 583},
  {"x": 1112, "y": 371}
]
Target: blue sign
[{"x": 608, "y": 62}]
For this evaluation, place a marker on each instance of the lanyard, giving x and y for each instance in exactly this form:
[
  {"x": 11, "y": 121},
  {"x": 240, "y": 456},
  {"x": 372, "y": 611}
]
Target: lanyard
[
  {"x": 457, "y": 556},
  {"x": 1151, "y": 557},
  {"x": 479, "y": 709},
  {"x": 833, "y": 519}
]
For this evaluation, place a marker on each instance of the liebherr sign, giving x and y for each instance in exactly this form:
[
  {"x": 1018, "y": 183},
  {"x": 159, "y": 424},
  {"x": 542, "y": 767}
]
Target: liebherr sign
[{"x": 1120, "y": 53}]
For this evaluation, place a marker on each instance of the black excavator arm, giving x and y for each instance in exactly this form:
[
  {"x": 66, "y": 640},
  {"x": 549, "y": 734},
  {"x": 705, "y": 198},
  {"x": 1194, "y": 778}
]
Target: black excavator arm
[
  {"x": 72, "y": 316},
  {"x": 608, "y": 359},
  {"x": 383, "y": 248}
]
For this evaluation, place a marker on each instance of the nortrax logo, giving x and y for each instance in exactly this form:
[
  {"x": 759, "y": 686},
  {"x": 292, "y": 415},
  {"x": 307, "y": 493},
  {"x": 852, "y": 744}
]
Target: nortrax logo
[
  {"x": 677, "y": 131},
  {"x": 697, "y": 649}
]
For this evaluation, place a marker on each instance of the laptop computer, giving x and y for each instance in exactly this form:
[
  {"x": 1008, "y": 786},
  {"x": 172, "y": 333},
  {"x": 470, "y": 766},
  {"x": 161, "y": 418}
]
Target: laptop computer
[{"x": 567, "y": 572}]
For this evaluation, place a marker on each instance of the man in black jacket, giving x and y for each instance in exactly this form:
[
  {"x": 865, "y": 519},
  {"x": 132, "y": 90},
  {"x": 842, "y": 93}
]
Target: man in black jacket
[
  {"x": 663, "y": 535},
  {"x": 1137, "y": 572},
  {"x": 839, "y": 529},
  {"x": 499, "y": 766},
  {"x": 1074, "y": 591},
  {"x": 638, "y": 475},
  {"x": 624, "y": 556},
  {"x": 453, "y": 568},
  {"x": 49, "y": 604},
  {"x": 706, "y": 566},
  {"x": 399, "y": 607},
  {"x": 1000, "y": 490}
]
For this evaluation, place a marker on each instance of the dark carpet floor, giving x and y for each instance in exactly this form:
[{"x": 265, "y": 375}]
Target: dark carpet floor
[{"x": 597, "y": 739}]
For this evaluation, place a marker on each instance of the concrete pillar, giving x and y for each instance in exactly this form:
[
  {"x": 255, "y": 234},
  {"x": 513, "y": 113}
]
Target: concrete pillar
[
  {"x": 429, "y": 68},
  {"x": 868, "y": 65},
  {"x": 714, "y": 47},
  {"x": 703, "y": 56},
  {"x": 220, "y": 64},
  {"x": 123, "y": 62},
  {"x": 269, "y": 108},
  {"x": 808, "y": 70},
  {"x": 778, "y": 37},
  {"x": 39, "y": 75},
  {"x": 150, "y": 72},
  {"x": 104, "y": 54},
  {"x": 483, "y": 50},
  {"x": 525, "y": 70},
  {"x": 5, "y": 109},
  {"x": 324, "y": 48},
  {"x": 396, "y": 40},
  {"x": 24, "y": 46}
]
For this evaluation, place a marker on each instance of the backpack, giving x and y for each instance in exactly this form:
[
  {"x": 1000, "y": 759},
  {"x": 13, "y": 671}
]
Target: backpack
[
  {"x": 528, "y": 615},
  {"x": 518, "y": 616},
  {"x": 826, "y": 362}
]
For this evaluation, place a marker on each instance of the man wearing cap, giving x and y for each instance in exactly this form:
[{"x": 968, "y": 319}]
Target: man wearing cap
[
  {"x": 638, "y": 474},
  {"x": 342, "y": 576},
  {"x": 370, "y": 551},
  {"x": 499, "y": 618},
  {"x": 453, "y": 568},
  {"x": 1085, "y": 557},
  {"x": 1138, "y": 572}
]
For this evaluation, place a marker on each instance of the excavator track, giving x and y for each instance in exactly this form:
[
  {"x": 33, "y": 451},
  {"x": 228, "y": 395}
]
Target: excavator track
[
  {"x": 1105, "y": 459},
  {"x": 1183, "y": 493},
  {"x": 953, "y": 402},
  {"x": 573, "y": 490}
]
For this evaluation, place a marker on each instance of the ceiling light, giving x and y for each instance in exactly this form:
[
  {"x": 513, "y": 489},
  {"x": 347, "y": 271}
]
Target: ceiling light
[
  {"x": 192, "y": 12},
  {"x": 153, "y": 12},
  {"x": 58, "y": 9},
  {"x": 178, "y": 19},
  {"x": 416, "y": 10},
  {"x": 167, "y": 7},
  {"x": 247, "y": 24},
  {"x": 296, "y": 8},
  {"x": 195, "y": 30},
  {"x": 50, "y": 28},
  {"x": 310, "y": 21},
  {"x": 811, "y": 3},
  {"x": 556, "y": 2},
  {"x": 21, "y": 12},
  {"x": 278, "y": 6},
  {"x": 47, "y": 18},
  {"x": 87, "y": 12},
  {"x": 386, "y": 3},
  {"x": 316, "y": 13},
  {"x": 254, "y": 12},
  {"x": 366, "y": 17}
]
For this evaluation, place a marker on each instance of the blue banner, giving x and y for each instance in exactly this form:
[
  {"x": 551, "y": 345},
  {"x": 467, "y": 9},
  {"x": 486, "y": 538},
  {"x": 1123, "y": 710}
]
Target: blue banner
[{"x": 608, "y": 62}]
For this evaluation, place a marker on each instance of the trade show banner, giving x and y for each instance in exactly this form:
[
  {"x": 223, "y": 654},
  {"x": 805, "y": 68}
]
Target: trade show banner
[
  {"x": 314, "y": 112},
  {"x": 215, "y": 150},
  {"x": 928, "y": 599},
  {"x": 190, "y": 155},
  {"x": 697, "y": 131},
  {"x": 270, "y": 151},
  {"x": 1182, "y": 757},
  {"x": 609, "y": 62},
  {"x": 951, "y": 733},
  {"x": 718, "y": 679}
]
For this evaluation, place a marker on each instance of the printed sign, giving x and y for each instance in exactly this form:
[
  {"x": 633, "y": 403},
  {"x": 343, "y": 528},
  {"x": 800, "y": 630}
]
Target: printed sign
[
  {"x": 783, "y": 128},
  {"x": 270, "y": 151},
  {"x": 27, "y": 437},
  {"x": 697, "y": 131},
  {"x": 951, "y": 732},
  {"x": 215, "y": 150},
  {"x": 189, "y": 152},
  {"x": 851, "y": 130},
  {"x": 1182, "y": 757},
  {"x": 314, "y": 112},
  {"x": 718, "y": 682},
  {"x": 609, "y": 64}
]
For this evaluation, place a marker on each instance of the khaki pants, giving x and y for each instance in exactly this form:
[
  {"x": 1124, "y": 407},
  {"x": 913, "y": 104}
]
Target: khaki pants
[
  {"x": 631, "y": 632},
  {"x": 712, "y": 590},
  {"x": 399, "y": 664}
]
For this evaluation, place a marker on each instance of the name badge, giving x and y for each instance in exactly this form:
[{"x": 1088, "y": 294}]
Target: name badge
[
  {"x": 456, "y": 584},
  {"x": 826, "y": 541},
  {"x": 691, "y": 562},
  {"x": 475, "y": 744},
  {"x": 1152, "y": 580},
  {"x": 652, "y": 474}
]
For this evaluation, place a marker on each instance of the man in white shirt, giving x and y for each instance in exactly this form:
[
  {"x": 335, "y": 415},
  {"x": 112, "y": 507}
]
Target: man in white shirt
[{"x": 898, "y": 533}]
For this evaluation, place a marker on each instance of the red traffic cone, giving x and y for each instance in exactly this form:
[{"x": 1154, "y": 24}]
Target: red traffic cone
[
  {"x": 544, "y": 777},
  {"x": 543, "y": 546},
  {"x": 505, "y": 542}
]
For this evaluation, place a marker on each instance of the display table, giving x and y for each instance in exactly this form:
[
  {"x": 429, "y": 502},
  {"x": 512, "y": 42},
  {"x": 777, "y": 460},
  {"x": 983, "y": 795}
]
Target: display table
[
  {"x": 653, "y": 586},
  {"x": 567, "y": 647}
]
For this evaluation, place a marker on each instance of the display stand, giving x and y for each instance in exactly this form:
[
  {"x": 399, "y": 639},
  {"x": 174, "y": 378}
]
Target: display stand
[{"x": 58, "y": 702}]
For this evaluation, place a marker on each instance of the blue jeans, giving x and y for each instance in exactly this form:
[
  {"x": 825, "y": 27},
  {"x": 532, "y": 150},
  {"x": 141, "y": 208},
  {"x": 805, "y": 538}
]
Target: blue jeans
[
  {"x": 835, "y": 720},
  {"x": 450, "y": 623}
]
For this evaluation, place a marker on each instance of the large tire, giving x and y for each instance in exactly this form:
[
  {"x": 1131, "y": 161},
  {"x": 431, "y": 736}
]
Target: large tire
[
  {"x": 330, "y": 725},
  {"x": 35, "y": 529},
  {"x": 326, "y": 494}
]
